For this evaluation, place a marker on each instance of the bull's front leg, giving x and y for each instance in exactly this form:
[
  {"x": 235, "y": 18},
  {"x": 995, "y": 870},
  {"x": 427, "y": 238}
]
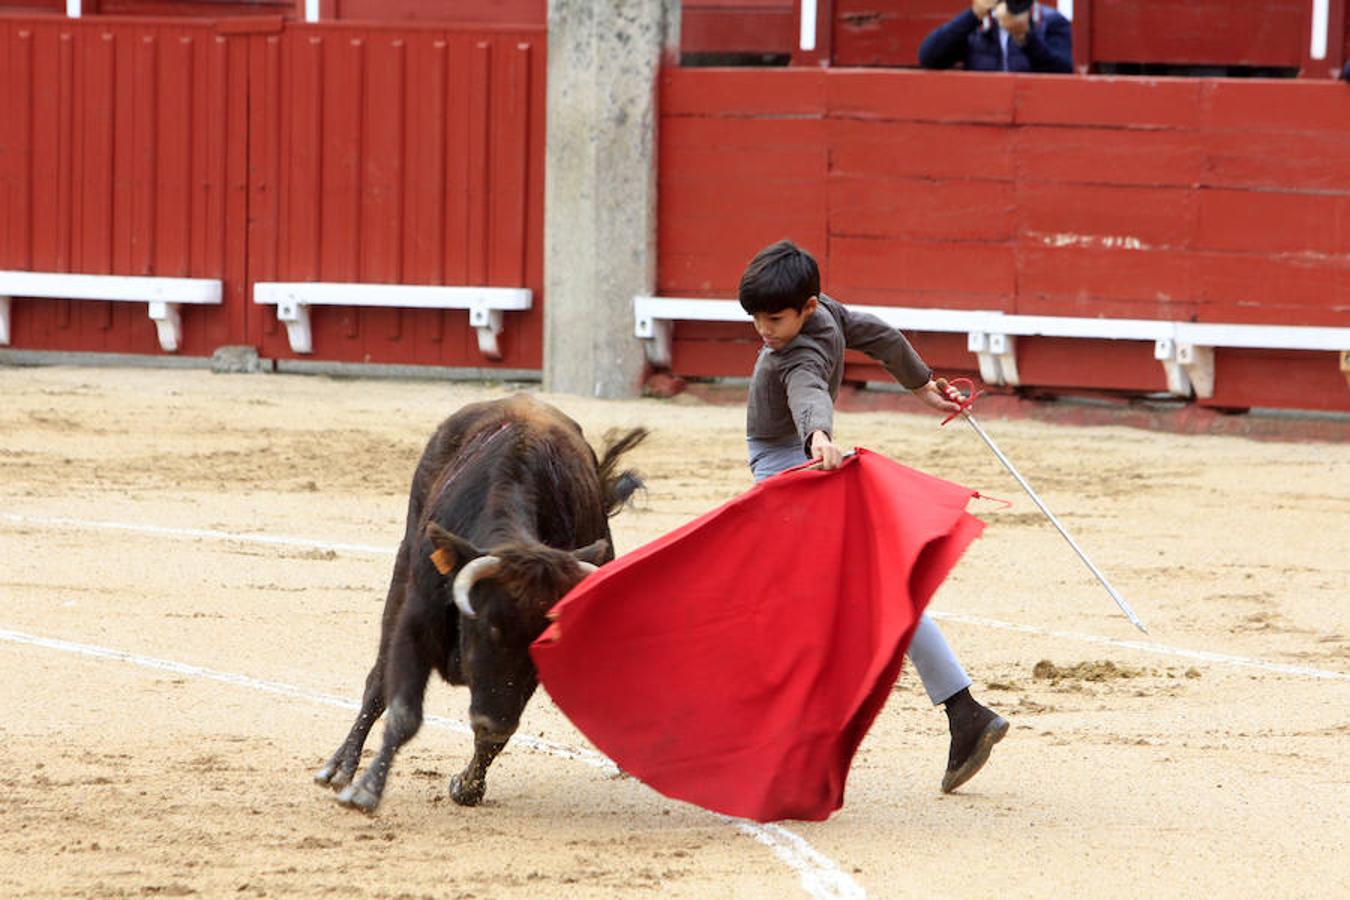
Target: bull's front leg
[
  {"x": 467, "y": 788},
  {"x": 338, "y": 772}
]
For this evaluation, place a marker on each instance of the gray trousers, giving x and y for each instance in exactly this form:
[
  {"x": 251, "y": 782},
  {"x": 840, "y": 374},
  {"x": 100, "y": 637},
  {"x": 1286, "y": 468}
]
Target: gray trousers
[{"x": 938, "y": 668}]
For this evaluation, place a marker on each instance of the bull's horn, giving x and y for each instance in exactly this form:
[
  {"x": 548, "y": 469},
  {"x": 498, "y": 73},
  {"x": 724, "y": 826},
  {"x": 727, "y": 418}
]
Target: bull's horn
[
  {"x": 482, "y": 567},
  {"x": 586, "y": 568}
]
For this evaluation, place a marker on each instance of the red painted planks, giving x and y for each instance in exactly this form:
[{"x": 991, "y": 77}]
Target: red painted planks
[
  {"x": 1245, "y": 378},
  {"x": 1259, "y": 105},
  {"x": 920, "y": 150},
  {"x": 968, "y": 97},
  {"x": 922, "y": 209},
  {"x": 746, "y": 92},
  {"x": 986, "y": 269},
  {"x": 1128, "y": 103},
  {"x": 1108, "y": 156},
  {"x": 1108, "y": 216},
  {"x": 1100, "y": 365},
  {"x": 886, "y": 32},
  {"x": 1257, "y": 33},
  {"x": 1311, "y": 224}
]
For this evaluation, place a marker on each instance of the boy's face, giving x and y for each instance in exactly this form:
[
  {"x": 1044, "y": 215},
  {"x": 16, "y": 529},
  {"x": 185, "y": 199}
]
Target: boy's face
[{"x": 777, "y": 329}]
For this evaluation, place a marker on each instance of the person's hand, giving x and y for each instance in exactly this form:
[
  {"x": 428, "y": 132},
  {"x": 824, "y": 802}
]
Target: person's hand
[
  {"x": 824, "y": 450},
  {"x": 940, "y": 395},
  {"x": 1017, "y": 26},
  {"x": 982, "y": 8}
]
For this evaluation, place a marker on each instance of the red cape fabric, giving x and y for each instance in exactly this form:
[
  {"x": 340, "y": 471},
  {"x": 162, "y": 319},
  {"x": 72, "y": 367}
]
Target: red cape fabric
[{"x": 737, "y": 662}]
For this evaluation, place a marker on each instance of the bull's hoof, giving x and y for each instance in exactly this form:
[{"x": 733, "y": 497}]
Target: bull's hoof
[
  {"x": 354, "y": 796},
  {"x": 334, "y": 776},
  {"x": 470, "y": 794}
]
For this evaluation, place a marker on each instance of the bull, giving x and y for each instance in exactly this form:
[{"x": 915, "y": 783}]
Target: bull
[{"x": 509, "y": 510}]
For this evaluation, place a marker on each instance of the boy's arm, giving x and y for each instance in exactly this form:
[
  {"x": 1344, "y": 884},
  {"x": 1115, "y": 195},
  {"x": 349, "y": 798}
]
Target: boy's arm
[
  {"x": 865, "y": 332},
  {"x": 808, "y": 398}
]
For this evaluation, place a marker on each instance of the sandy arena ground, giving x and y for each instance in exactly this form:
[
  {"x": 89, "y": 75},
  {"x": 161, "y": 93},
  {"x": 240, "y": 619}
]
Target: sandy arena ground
[{"x": 170, "y": 679}]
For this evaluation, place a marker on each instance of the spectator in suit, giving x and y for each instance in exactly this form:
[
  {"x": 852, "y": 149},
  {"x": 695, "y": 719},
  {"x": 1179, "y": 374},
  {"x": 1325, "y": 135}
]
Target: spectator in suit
[{"x": 1002, "y": 36}]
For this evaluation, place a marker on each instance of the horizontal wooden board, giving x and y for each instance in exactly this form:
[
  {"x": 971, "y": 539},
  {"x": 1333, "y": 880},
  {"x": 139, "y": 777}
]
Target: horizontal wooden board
[
  {"x": 1273, "y": 222},
  {"x": 742, "y": 92},
  {"x": 922, "y": 209},
  {"x": 970, "y": 268},
  {"x": 1105, "y": 216},
  {"x": 1088, "y": 155},
  {"x": 953, "y": 97},
  {"x": 1126, "y": 103},
  {"x": 1253, "y": 33},
  {"x": 921, "y": 150}
]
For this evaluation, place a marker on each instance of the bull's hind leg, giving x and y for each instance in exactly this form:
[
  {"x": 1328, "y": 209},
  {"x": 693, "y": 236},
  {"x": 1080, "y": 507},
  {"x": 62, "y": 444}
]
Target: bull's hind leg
[
  {"x": 338, "y": 772},
  {"x": 467, "y": 787}
]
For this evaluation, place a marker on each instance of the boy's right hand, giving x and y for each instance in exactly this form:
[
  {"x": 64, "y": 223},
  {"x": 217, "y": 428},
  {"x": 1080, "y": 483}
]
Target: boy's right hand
[
  {"x": 940, "y": 396},
  {"x": 825, "y": 451}
]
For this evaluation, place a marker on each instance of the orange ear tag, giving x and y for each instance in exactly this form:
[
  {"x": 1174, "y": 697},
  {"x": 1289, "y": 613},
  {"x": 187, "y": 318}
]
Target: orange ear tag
[{"x": 443, "y": 561}]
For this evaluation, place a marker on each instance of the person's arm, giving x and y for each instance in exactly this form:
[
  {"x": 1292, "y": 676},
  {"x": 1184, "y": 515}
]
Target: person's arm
[
  {"x": 945, "y": 46},
  {"x": 1054, "y": 51},
  {"x": 865, "y": 332},
  {"x": 806, "y": 383}
]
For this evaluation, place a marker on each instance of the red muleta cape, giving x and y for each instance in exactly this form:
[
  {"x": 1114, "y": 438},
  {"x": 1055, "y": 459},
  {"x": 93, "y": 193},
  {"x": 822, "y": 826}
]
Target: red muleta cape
[{"x": 737, "y": 662}]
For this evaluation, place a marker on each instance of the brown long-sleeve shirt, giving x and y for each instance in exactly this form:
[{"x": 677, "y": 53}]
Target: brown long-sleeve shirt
[{"x": 793, "y": 388}]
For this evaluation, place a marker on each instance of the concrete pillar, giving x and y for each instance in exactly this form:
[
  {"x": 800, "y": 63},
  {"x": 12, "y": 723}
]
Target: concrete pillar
[{"x": 600, "y": 187}]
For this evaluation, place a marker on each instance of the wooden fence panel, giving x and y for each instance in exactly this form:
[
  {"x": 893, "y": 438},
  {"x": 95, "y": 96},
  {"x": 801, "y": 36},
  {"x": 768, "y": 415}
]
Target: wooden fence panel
[{"x": 1181, "y": 200}]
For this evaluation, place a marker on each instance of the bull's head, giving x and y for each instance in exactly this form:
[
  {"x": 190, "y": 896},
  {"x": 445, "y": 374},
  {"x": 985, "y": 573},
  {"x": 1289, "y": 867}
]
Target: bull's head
[{"x": 504, "y": 597}]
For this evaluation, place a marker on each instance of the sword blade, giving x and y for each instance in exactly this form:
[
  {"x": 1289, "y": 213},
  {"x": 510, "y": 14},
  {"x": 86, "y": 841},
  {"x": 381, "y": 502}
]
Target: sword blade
[{"x": 1115, "y": 595}]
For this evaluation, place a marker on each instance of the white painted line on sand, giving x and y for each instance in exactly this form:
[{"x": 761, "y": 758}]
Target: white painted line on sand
[
  {"x": 204, "y": 533},
  {"x": 820, "y": 877},
  {"x": 1146, "y": 647}
]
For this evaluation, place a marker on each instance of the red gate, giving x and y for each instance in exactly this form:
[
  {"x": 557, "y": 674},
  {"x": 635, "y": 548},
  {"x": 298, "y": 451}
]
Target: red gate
[{"x": 252, "y": 150}]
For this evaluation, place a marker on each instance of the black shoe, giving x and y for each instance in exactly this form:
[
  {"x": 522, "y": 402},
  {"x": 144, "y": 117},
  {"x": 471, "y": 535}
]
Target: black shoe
[{"x": 975, "y": 730}]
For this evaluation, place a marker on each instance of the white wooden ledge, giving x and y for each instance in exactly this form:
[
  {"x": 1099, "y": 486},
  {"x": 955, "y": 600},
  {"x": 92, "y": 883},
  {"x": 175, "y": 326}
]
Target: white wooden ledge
[
  {"x": 164, "y": 296},
  {"x": 485, "y": 305},
  {"x": 1185, "y": 349}
]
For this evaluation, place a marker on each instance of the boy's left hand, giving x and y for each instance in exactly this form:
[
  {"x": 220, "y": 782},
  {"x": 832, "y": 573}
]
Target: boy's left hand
[{"x": 940, "y": 395}]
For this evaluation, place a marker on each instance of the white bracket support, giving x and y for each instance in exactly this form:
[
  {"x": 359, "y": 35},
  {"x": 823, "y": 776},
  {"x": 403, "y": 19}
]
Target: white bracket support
[
  {"x": 997, "y": 354},
  {"x": 1178, "y": 382},
  {"x": 168, "y": 324},
  {"x": 657, "y": 335},
  {"x": 485, "y": 305},
  {"x": 295, "y": 316},
  {"x": 1198, "y": 361},
  {"x": 488, "y": 323},
  {"x": 4, "y": 321}
]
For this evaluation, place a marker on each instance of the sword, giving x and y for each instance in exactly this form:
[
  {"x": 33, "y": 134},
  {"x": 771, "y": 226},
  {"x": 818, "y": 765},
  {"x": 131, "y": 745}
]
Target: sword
[{"x": 969, "y": 417}]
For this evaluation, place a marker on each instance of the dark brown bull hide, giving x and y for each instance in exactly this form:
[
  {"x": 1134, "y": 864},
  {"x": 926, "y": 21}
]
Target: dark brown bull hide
[{"x": 513, "y": 488}]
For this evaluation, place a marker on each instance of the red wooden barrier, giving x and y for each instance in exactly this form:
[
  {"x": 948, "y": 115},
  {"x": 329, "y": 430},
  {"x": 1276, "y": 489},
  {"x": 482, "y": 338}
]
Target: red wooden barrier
[
  {"x": 334, "y": 153},
  {"x": 1183, "y": 199},
  {"x": 120, "y": 153},
  {"x": 400, "y": 155}
]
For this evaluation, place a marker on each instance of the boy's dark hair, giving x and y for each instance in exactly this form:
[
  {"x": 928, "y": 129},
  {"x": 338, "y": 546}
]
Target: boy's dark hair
[{"x": 781, "y": 276}]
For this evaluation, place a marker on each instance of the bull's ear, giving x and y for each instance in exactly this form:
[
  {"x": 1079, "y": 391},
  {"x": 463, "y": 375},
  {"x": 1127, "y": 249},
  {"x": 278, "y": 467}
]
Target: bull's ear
[
  {"x": 451, "y": 552},
  {"x": 596, "y": 554}
]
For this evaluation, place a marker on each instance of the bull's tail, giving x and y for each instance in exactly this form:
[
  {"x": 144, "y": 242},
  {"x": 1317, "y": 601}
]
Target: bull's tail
[{"x": 619, "y": 485}]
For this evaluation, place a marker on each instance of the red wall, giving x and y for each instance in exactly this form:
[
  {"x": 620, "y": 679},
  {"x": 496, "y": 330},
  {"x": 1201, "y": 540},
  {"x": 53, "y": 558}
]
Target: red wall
[
  {"x": 401, "y": 155},
  {"x": 310, "y": 152},
  {"x": 1183, "y": 199},
  {"x": 121, "y": 152}
]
